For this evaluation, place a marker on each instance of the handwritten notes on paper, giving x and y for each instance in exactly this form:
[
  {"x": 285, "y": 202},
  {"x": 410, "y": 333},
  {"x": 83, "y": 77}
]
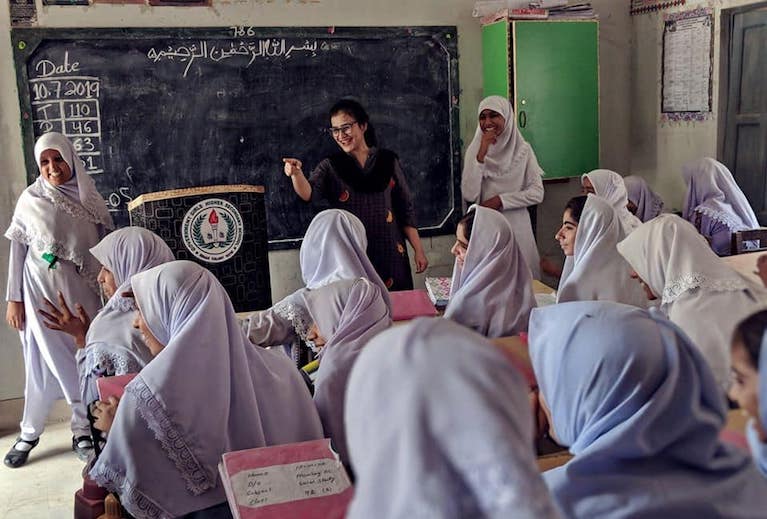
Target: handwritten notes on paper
[
  {"x": 687, "y": 62},
  {"x": 292, "y": 482}
]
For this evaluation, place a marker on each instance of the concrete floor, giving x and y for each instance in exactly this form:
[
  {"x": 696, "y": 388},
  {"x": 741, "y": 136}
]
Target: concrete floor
[{"x": 44, "y": 488}]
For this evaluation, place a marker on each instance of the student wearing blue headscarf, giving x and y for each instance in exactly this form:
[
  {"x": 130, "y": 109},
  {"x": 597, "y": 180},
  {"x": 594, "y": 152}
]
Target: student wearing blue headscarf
[
  {"x": 637, "y": 405},
  {"x": 749, "y": 381},
  {"x": 438, "y": 425}
]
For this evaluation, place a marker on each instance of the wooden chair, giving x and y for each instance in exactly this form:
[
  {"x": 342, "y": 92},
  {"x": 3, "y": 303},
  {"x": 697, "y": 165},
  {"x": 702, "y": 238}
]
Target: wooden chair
[{"x": 740, "y": 238}]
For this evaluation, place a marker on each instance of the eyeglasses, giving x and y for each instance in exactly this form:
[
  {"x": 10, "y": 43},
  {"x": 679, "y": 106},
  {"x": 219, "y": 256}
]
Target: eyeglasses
[{"x": 345, "y": 129}]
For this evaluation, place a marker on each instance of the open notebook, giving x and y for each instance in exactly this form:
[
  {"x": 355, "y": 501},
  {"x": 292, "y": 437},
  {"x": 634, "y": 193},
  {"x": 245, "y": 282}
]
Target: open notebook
[{"x": 304, "y": 480}]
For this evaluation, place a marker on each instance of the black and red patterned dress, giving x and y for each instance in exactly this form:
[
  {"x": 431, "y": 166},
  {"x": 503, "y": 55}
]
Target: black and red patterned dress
[{"x": 378, "y": 195}]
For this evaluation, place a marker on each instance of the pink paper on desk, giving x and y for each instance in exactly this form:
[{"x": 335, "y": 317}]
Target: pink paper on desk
[
  {"x": 113, "y": 386},
  {"x": 734, "y": 438},
  {"x": 409, "y": 304},
  {"x": 304, "y": 480}
]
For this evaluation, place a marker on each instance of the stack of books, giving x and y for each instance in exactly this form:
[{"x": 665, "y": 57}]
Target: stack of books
[
  {"x": 438, "y": 289},
  {"x": 564, "y": 10}
]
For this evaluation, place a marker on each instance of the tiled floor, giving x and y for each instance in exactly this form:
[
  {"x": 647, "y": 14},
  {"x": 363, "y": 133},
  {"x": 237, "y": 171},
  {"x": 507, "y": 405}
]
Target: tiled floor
[{"x": 44, "y": 488}]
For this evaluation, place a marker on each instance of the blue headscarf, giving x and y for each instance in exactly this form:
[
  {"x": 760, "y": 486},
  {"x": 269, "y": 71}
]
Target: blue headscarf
[
  {"x": 438, "y": 425},
  {"x": 759, "y": 449},
  {"x": 639, "y": 408}
]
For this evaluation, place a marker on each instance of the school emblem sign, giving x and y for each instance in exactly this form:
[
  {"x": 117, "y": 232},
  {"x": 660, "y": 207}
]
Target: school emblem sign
[{"x": 212, "y": 230}]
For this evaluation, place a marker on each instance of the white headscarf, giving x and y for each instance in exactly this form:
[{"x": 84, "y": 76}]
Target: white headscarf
[
  {"x": 112, "y": 344},
  {"x": 598, "y": 271},
  {"x": 126, "y": 252},
  {"x": 348, "y": 314},
  {"x": 62, "y": 220},
  {"x": 712, "y": 191},
  {"x": 648, "y": 203},
  {"x": 439, "y": 426},
  {"x": 637, "y": 406},
  {"x": 509, "y": 156},
  {"x": 609, "y": 185},
  {"x": 698, "y": 292},
  {"x": 88, "y": 196},
  {"x": 492, "y": 293},
  {"x": 334, "y": 248},
  {"x": 209, "y": 391}
]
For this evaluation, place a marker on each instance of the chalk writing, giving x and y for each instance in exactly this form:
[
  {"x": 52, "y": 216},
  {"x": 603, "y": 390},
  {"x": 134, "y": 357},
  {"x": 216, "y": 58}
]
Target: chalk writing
[
  {"x": 216, "y": 52},
  {"x": 119, "y": 199},
  {"x": 47, "y": 68},
  {"x": 66, "y": 102},
  {"x": 69, "y": 105}
]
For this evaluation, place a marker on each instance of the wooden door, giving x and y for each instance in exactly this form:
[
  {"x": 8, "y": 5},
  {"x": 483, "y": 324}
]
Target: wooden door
[
  {"x": 745, "y": 136},
  {"x": 555, "y": 74}
]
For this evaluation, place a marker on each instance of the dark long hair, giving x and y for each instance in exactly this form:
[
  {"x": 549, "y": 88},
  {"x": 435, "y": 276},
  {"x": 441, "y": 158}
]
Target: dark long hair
[
  {"x": 575, "y": 205},
  {"x": 355, "y": 109},
  {"x": 750, "y": 332},
  {"x": 468, "y": 222}
]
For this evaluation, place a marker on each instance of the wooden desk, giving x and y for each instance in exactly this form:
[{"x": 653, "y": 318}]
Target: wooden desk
[
  {"x": 540, "y": 288},
  {"x": 745, "y": 264},
  {"x": 736, "y": 423}
]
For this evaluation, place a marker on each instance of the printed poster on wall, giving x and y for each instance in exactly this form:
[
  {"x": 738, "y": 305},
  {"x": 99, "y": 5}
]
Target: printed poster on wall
[
  {"x": 688, "y": 55},
  {"x": 23, "y": 13}
]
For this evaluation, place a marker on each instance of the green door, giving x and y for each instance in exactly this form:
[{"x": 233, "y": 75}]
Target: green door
[
  {"x": 556, "y": 82},
  {"x": 495, "y": 59}
]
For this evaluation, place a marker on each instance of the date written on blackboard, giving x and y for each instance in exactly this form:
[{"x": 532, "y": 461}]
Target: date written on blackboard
[{"x": 218, "y": 51}]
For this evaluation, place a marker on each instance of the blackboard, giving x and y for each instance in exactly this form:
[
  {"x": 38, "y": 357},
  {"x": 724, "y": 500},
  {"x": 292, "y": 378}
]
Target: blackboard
[{"x": 156, "y": 109}]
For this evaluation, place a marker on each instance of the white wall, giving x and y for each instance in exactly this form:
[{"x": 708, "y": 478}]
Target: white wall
[
  {"x": 658, "y": 150},
  {"x": 615, "y": 33}
]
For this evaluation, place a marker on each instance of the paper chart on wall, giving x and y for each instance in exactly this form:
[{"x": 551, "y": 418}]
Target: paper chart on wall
[{"x": 687, "y": 65}]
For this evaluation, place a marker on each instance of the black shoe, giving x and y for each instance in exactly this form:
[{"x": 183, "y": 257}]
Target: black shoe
[
  {"x": 83, "y": 447},
  {"x": 16, "y": 458}
]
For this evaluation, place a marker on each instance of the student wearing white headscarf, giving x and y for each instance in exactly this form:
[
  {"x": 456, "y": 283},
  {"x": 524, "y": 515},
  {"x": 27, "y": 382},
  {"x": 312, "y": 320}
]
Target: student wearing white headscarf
[
  {"x": 715, "y": 205},
  {"x": 346, "y": 315},
  {"x": 56, "y": 221},
  {"x": 596, "y": 271},
  {"x": 697, "y": 291},
  {"x": 206, "y": 392},
  {"x": 609, "y": 185},
  {"x": 491, "y": 290},
  {"x": 638, "y": 407},
  {"x": 439, "y": 425},
  {"x": 333, "y": 249},
  {"x": 500, "y": 171},
  {"x": 643, "y": 202},
  {"x": 749, "y": 382},
  {"x": 112, "y": 345}
]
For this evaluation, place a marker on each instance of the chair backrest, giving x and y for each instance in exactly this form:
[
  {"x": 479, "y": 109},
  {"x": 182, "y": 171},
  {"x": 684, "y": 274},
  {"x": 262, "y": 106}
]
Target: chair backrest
[{"x": 750, "y": 240}]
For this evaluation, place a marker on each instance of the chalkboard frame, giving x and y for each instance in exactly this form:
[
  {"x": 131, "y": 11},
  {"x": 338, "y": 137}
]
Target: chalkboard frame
[{"x": 26, "y": 40}]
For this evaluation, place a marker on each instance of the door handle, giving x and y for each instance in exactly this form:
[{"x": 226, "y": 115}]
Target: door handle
[{"x": 522, "y": 119}]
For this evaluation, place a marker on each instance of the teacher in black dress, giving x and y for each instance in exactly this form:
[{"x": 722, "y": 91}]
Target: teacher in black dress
[{"x": 368, "y": 182}]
